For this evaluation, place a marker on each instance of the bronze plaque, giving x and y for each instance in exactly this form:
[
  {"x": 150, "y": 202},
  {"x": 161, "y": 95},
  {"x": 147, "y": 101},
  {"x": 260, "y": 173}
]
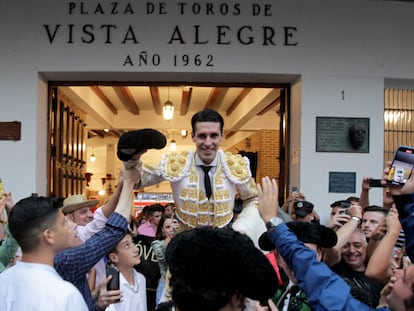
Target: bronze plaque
[
  {"x": 342, "y": 182},
  {"x": 10, "y": 130},
  {"x": 335, "y": 134}
]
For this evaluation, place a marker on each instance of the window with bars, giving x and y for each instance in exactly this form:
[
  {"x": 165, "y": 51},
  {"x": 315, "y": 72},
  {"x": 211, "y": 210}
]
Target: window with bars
[{"x": 398, "y": 113}]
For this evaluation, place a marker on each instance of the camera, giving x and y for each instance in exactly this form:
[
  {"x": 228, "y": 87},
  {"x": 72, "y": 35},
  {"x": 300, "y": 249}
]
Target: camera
[{"x": 375, "y": 183}]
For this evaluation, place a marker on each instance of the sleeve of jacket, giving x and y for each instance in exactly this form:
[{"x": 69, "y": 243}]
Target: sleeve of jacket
[
  {"x": 405, "y": 207},
  {"x": 73, "y": 263},
  {"x": 325, "y": 290}
]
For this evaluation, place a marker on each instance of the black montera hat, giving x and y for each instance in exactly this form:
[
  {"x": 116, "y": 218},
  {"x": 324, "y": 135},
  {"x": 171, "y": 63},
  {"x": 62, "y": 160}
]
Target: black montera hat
[
  {"x": 133, "y": 142},
  {"x": 307, "y": 233},
  {"x": 220, "y": 260}
]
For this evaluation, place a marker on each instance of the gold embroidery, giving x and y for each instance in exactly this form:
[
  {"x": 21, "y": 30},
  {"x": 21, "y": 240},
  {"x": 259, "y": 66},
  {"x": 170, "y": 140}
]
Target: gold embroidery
[
  {"x": 175, "y": 164},
  {"x": 237, "y": 166}
]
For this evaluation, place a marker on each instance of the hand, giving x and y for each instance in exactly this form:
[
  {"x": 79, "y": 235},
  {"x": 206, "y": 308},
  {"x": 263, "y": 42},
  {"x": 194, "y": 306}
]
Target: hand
[
  {"x": 387, "y": 290},
  {"x": 136, "y": 159},
  {"x": 268, "y": 198},
  {"x": 133, "y": 173},
  {"x": 408, "y": 188},
  {"x": 107, "y": 297},
  {"x": 271, "y": 307},
  {"x": 393, "y": 222},
  {"x": 338, "y": 220},
  {"x": 379, "y": 231},
  {"x": 365, "y": 183},
  {"x": 387, "y": 199}
]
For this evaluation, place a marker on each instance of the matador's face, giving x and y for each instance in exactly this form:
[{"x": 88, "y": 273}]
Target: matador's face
[{"x": 207, "y": 138}]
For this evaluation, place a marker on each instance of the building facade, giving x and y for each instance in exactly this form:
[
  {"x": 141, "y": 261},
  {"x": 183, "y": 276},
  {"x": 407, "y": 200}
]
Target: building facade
[{"x": 337, "y": 57}]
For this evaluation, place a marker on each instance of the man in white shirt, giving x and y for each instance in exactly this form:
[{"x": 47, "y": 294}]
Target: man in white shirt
[{"x": 41, "y": 230}]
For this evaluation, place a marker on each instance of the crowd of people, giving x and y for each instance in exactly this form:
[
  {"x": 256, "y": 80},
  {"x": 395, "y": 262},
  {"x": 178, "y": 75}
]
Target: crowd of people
[{"x": 225, "y": 243}]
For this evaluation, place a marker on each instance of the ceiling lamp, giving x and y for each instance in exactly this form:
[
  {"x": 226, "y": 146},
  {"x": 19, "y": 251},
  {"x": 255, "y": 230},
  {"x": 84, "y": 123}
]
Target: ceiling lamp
[
  {"x": 92, "y": 158},
  {"x": 168, "y": 108},
  {"x": 173, "y": 144}
]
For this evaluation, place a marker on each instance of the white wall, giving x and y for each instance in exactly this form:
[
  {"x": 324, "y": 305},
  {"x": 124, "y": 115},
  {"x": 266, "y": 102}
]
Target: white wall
[{"x": 353, "y": 48}]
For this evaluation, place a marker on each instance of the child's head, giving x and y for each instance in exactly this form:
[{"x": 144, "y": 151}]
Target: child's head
[
  {"x": 126, "y": 253},
  {"x": 165, "y": 228}
]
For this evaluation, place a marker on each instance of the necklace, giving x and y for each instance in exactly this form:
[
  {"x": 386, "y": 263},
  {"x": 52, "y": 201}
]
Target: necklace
[{"x": 134, "y": 288}]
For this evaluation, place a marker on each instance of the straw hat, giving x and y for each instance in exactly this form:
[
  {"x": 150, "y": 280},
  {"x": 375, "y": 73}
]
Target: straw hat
[{"x": 75, "y": 202}]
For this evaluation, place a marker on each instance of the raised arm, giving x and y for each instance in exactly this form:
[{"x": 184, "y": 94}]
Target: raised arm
[
  {"x": 333, "y": 255},
  {"x": 124, "y": 205},
  {"x": 379, "y": 265},
  {"x": 364, "y": 196}
]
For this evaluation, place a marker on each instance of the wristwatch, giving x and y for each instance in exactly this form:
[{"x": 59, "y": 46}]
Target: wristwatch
[{"x": 274, "y": 222}]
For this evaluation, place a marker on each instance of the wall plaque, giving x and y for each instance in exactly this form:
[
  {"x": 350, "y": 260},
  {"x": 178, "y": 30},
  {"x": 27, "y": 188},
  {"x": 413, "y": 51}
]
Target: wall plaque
[
  {"x": 342, "y": 182},
  {"x": 10, "y": 130},
  {"x": 335, "y": 134}
]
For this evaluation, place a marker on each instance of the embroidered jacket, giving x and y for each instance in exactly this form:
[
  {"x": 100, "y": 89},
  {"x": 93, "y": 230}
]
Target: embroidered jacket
[{"x": 193, "y": 207}]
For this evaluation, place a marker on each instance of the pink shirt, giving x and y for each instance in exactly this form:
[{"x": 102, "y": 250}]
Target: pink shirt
[{"x": 147, "y": 229}]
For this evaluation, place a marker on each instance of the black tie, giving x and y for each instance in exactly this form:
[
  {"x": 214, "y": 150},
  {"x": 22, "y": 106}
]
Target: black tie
[{"x": 207, "y": 183}]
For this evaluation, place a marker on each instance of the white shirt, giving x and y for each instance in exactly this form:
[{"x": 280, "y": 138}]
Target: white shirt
[
  {"x": 37, "y": 287},
  {"x": 85, "y": 232},
  {"x": 134, "y": 297}
]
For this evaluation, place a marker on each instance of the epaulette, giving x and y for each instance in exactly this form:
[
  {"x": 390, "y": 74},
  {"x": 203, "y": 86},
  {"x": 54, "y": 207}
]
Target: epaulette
[
  {"x": 236, "y": 167},
  {"x": 176, "y": 165}
]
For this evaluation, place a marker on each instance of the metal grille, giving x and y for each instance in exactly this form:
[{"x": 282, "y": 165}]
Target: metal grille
[{"x": 398, "y": 113}]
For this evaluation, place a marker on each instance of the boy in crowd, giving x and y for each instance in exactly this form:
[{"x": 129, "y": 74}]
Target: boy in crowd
[
  {"x": 132, "y": 283},
  {"x": 41, "y": 230}
]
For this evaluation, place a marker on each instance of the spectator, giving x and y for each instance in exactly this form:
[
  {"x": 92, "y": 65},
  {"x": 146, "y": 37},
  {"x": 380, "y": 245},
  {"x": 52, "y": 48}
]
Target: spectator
[
  {"x": 352, "y": 269},
  {"x": 9, "y": 247},
  {"x": 149, "y": 227},
  {"x": 40, "y": 228},
  {"x": 78, "y": 209},
  {"x": 132, "y": 283},
  {"x": 74, "y": 263},
  {"x": 315, "y": 237},
  {"x": 339, "y": 214},
  {"x": 302, "y": 211},
  {"x": 373, "y": 217},
  {"x": 325, "y": 289},
  {"x": 217, "y": 269},
  {"x": 169, "y": 210},
  {"x": 165, "y": 232}
]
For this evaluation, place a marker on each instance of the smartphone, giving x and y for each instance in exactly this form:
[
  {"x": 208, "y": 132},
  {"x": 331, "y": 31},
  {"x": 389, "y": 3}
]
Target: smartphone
[
  {"x": 401, "y": 166},
  {"x": 376, "y": 183},
  {"x": 114, "y": 282}
]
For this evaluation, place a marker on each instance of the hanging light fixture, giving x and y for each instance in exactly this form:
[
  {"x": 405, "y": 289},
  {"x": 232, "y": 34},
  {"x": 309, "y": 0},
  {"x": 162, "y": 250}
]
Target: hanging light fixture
[
  {"x": 168, "y": 108},
  {"x": 173, "y": 144},
  {"x": 92, "y": 158}
]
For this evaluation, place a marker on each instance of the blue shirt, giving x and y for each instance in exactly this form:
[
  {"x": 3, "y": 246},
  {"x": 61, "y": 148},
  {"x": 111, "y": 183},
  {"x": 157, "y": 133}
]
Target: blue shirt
[
  {"x": 325, "y": 290},
  {"x": 74, "y": 263}
]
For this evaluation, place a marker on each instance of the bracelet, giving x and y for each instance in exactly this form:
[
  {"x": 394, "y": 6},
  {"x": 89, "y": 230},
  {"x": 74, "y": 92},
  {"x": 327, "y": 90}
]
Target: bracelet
[{"x": 356, "y": 219}]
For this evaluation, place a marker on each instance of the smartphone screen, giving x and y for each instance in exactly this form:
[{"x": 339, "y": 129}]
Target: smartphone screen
[{"x": 402, "y": 166}]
